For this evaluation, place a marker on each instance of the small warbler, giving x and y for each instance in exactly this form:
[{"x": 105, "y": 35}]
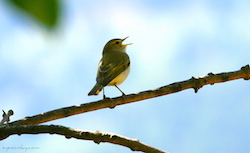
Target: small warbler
[{"x": 113, "y": 68}]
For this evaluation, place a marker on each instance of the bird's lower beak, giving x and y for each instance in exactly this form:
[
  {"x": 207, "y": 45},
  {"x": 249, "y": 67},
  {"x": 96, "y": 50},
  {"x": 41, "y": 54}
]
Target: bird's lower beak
[{"x": 126, "y": 44}]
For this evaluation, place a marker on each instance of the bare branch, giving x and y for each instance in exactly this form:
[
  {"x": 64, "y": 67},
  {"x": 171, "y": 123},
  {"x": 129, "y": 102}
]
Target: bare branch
[
  {"x": 97, "y": 137},
  {"x": 195, "y": 82}
]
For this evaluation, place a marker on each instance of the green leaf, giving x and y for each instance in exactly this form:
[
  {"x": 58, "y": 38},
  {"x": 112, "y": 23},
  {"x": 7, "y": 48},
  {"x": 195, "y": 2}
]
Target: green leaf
[{"x": 45, "y": 11}]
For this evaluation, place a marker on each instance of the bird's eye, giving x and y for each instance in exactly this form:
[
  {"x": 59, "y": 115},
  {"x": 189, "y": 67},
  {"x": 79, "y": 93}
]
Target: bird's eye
[{"x": 117, "y": 42}]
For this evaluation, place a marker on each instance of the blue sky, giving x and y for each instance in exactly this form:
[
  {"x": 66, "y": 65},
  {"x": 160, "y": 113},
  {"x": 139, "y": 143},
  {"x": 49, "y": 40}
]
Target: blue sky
[{"x": 172, "y": 41}]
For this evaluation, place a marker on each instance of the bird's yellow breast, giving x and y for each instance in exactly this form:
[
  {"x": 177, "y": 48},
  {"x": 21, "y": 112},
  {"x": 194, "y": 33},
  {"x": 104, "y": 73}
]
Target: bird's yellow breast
[{"x": 120, "y": 78}]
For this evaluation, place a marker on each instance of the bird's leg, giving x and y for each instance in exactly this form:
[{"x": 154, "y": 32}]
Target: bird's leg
[
  {"x": 120, "y": 90},
  {"x": 104, "y": 97}
]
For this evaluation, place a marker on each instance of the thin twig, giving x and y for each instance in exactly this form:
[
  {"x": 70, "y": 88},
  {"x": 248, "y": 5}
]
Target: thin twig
[
  {"x": 97, "y": 137},
  {"x": 6, "y": 117}
]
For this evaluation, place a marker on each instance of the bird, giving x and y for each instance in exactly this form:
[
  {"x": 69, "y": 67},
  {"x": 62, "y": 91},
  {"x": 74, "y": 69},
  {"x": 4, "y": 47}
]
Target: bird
[{"x": 113, "y": 68}]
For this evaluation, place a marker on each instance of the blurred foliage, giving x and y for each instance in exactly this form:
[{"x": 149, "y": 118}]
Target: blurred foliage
[{"x": 44, "y": 11}]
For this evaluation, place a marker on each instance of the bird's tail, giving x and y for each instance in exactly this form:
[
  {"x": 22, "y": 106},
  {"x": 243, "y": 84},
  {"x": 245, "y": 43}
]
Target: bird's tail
[{"x": 96, "y": 89}]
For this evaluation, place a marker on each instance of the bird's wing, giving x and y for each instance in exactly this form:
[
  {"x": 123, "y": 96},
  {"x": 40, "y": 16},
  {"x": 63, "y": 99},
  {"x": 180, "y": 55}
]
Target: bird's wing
[{"x": 111, "y": 66}]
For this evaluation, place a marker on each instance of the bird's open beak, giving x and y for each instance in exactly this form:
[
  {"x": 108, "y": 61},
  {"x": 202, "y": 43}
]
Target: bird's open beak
[{"x": 126, "y": 44}]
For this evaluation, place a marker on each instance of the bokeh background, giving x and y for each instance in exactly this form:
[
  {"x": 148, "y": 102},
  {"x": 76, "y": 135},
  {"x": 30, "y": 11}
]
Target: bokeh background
[{"x": 43, "y": 70}]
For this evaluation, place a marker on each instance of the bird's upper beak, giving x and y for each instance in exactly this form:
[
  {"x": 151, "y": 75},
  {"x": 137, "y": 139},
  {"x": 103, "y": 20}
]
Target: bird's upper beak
[{"x": 126, "y": 44}]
